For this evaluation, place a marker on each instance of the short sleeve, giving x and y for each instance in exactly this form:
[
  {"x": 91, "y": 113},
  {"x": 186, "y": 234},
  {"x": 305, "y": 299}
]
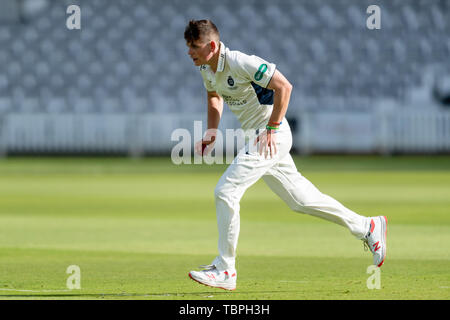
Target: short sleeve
[{"x": 256, "y": 69}]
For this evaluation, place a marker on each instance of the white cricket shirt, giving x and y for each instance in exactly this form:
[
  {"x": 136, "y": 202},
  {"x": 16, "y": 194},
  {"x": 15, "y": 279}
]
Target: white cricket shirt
[{"x": 241, "y": 80}]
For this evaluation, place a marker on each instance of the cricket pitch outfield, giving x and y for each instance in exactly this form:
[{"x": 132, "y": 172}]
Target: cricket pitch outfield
[{"x": 135, "y": 228}]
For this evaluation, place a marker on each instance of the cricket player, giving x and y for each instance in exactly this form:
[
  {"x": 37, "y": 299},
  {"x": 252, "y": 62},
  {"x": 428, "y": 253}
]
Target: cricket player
[{"x": 258, "y": 94}]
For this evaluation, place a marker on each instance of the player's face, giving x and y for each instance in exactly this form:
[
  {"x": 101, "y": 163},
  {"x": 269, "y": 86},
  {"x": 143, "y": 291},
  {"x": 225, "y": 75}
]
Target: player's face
[{"x": 200, "y": 52}]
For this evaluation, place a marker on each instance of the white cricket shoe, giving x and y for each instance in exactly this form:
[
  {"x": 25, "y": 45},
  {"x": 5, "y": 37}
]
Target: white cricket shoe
[
  {"x": 212, "y": 277},
  {"x": 375, "y": 239}
]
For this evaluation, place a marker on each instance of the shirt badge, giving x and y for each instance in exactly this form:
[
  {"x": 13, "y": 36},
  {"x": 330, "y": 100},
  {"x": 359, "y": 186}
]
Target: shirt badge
[{"x": 230, "y": 81}]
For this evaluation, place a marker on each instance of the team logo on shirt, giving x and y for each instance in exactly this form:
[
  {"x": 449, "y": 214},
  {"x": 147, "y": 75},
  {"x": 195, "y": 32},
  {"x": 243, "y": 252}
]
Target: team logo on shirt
[
  {"x": 230, "y": 81},
  {"x": 259, "y": 74}
]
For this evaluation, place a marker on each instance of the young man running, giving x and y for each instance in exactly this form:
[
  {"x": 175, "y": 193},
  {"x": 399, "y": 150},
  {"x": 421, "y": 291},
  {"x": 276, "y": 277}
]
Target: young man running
[{"x": 258, "y": 94}]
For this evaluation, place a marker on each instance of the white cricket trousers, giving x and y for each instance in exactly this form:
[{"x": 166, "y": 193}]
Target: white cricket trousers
[{"x": 281, "y": 175}]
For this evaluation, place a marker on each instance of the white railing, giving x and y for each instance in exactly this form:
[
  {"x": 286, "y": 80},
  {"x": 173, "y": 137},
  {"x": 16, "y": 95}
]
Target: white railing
[
  {"x": 420, "y": 132},
  {"x": 381, "y": 132},
  {"x": 134, "y": 134}
]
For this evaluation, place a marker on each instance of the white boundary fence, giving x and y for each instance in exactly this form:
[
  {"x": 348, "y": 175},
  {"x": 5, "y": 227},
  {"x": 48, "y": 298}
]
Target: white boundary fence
[
  {"x": 382, "y": 132},
  {"x": 134, "y": 134}
]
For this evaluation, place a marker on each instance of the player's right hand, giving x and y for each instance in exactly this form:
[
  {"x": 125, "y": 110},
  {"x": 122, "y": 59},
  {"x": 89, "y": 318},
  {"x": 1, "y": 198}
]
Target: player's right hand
[{"x": 204, "y": 146}]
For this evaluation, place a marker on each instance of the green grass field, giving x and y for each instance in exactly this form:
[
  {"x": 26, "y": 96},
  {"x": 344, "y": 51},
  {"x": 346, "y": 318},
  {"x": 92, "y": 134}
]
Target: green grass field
[{"x": 137, "y": 227}]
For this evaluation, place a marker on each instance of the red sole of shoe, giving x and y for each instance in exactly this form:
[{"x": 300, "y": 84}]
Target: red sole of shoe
[{"x": 209, "y": 285}]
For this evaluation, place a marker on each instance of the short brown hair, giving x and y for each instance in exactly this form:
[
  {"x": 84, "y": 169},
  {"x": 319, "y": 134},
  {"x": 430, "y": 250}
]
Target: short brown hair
[{"x": 197, "y": 29}]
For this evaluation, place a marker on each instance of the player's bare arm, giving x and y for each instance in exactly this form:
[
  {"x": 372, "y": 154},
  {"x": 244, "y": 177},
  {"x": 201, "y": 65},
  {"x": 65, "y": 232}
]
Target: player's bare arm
[
  {"x": 215, "y": 108},
  {"x": 282, "y": 93}
]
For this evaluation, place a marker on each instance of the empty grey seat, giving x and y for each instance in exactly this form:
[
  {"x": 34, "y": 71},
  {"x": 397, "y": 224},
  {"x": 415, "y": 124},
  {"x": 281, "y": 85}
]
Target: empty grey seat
[{"x": 133, "y": 50}]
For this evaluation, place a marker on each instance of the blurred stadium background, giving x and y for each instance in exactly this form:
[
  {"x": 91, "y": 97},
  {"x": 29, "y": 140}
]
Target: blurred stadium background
[{"x": 124, "y": 82}]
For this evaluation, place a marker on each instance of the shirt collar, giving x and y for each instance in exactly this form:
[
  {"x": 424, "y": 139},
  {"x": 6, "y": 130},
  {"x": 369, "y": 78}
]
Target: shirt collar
[{"x": 222, "y": 55}]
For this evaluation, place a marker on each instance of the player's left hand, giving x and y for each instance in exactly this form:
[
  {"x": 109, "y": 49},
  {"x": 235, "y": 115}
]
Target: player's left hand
[{"x": 267, "y": 143}]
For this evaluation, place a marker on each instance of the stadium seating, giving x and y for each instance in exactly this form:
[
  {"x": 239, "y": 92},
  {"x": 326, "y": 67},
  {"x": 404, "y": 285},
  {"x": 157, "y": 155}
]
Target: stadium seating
[{"x": 130, "y": 56}]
